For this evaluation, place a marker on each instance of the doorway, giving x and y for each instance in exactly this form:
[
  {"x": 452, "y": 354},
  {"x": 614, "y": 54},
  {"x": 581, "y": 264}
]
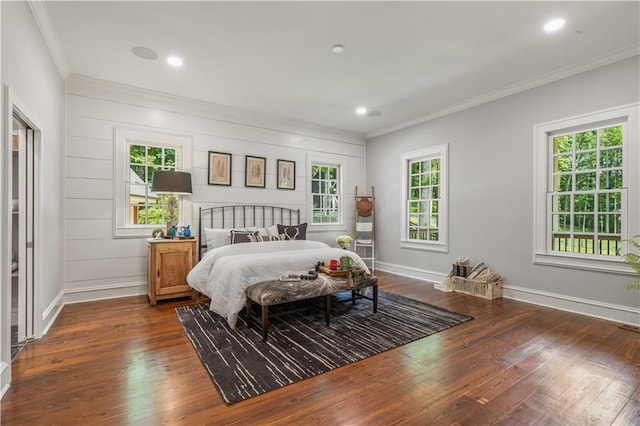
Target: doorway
[{"x": 24, "y": 190}]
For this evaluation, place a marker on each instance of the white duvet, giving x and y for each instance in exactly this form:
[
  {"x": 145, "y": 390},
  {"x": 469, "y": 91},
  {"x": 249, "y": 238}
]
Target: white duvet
[{"x": 224, "y": 273}]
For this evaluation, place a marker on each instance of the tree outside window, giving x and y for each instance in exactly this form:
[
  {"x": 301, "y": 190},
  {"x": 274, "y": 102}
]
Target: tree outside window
[
  {"x": 146, "y": 208},
  {"x": 325, "y": 193}
]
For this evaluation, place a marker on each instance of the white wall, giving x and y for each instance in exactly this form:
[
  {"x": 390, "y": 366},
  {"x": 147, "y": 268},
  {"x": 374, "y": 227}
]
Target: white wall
[
  {"x": 491, "y": 192},
  {"x": 30, "y": 73},
  {"x": 98, "y": 265}
]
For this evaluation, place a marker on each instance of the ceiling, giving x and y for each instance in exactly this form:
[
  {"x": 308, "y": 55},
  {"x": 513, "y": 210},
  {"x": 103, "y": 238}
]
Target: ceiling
[{"x": 409, "y": 61}]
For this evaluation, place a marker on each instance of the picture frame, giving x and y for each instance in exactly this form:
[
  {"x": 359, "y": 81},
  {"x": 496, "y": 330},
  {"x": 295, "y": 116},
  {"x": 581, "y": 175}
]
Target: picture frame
[
  {"x": 254, "y": 171},
  {"x": 286, "y": 172},
  {"x": 219, "y": 170}
]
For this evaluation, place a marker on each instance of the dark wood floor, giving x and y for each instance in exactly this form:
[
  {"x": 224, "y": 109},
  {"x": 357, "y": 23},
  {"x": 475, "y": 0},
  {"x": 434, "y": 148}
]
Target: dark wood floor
[{"x": 124, "y": 362}]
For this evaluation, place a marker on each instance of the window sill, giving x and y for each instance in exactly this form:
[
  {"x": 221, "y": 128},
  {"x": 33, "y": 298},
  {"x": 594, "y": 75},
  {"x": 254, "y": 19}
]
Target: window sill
[
  {"x": 616, "y": 266},
  {"x": 424, "y": 246},
  {"x": 138, "y": 232}
]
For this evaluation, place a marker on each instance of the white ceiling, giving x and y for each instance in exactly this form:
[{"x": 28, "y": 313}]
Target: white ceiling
[{"x": 408, "y": 61}]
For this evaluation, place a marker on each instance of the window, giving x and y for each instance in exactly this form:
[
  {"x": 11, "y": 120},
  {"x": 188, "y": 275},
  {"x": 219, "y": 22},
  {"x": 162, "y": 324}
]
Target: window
[
  {"x": 138, "y": 154},
  {"x": 584, "y": 190},
  {"x": 325, "y": 194},
  {"x": 144, "y": 207},
  {"x": 425, "y": 199}
]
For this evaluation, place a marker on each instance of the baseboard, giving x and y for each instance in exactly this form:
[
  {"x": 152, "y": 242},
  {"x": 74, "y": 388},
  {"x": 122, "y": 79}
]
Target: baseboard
[
  {"x": 432, "y": 277},
  {"x": 5, "y": 378},
  {"x": 51, "y": 313},
  {"x": 592, "y": 308},
  {"x": 111, "y": 291}
]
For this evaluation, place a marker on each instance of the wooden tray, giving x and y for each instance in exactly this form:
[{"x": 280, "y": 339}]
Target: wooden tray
[{"x": 332, "y": 273}]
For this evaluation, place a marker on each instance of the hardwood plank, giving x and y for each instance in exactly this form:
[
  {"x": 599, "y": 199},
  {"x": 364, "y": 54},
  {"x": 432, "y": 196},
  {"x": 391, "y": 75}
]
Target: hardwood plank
[{"x": 122, "y": 361}]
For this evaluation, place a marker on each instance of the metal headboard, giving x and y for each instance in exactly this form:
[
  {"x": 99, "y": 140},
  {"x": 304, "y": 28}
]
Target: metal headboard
[{"x": 242, "y": 216}]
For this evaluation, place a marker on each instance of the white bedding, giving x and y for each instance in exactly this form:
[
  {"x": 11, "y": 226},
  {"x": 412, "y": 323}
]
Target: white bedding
[{"x": 224, "y": 273}]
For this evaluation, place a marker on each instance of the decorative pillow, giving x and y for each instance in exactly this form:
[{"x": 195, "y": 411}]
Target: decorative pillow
[
  {"x": 260, "y": 231},
  {"x": 242, "y": 236},
  {"x": 262, "y": 238},
  {"x": 218, "y": 237},
  {"x": 273, "y": 230},
  {"x": 294, "y": 232}
]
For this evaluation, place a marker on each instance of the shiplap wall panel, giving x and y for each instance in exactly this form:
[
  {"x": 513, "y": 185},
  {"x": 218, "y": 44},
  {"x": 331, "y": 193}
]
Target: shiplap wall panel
[
  {"x": 106, "y": 249},
  {"x": 95, "y": 261},
  {"x": 89, "y": 209},
  {"x": 89, "y": 168},
  {"x": 100, "y": 189},
  {"x": 101, "y": 149},
  {"x": 88, "y": 229},
  {"x": 95, "y": 269}
]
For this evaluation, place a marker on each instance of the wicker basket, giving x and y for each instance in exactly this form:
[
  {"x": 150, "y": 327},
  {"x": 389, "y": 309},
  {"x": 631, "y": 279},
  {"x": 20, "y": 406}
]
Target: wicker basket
[{"x": 491, "y": 290}]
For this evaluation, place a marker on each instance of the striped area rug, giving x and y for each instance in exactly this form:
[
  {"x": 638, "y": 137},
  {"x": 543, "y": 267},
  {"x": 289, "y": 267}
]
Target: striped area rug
[{"x": 300, "y": 345}]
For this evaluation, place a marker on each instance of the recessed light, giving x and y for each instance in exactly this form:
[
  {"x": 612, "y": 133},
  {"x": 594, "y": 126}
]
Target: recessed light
[
  {"x": 554, "y": 25},
  {"x": 337, "y": 48},
  {"x": 174, "y": 61},
  {"x": 361, "y": 110},
  {"x": 145, "y": 53}
]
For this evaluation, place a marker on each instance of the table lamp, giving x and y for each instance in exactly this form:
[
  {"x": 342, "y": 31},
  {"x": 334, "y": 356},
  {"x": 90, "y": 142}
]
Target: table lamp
[{"x": 173, "y": 183}]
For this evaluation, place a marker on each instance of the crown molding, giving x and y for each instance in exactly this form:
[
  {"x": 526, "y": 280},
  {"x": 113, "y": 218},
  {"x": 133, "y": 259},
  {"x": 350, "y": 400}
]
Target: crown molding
[
  {"x": 41, "y": 15},
  {"x": 615, "y": 56}
]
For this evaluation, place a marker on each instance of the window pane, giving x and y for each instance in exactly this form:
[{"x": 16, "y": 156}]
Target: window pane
[
  {"x": 586, "y": 140},
  {"x": 415, "y": 168},
  {"x": 562, "y": 144},
  {"x": 170, "y": 158},
  {"x": 426, "y": 179},
  {"x": 138, "y": 174},
  {"x": 434, "y": 207},
  {"x": 315, "y": 172},
  {"x": 611, "y": 179},
  {"x": 137, "y": 154},
  {"x": 611, "y": 136},
  {"x": 425, "y": 193},
  {"x": 434, "y": 236},
  {"x": 425, "y": 166},
  {"x": 583, "y": 203},
  {"x": 315, "y": 187},
  {"x": 561, "y": 203},
  {"x": 584, "y": 223},
  {"x": 317, "y": 203},
  {"x": 586, "y": 161},
  {"x": 154, "y": 156},
  {"x": 611, "y": 158},
  {"x": 333, "y": 173},
  {"x": 424, "y": 207},
  {"x": 435, "y": 192},
  {"x": 562, "y": 183},
  {"x": 610, "y": 223},
  {"x": 610, "y": 202},
  {"x": 585, "y": 181},
  {"x": 415, "y": 180},
  {"x": 561, "y": 222},
  {"x": 415, "y": 194},
  {"x": 563, "y": 163},
  {"x": 435, "y": 165},
  {"x": 413, "y": 207}
]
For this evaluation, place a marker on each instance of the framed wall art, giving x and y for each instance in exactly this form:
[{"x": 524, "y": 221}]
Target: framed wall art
[
  {"x": 219, "y": 168},
  {"x": 254, "y": 173},
  {"x": 286, "y": 174}
]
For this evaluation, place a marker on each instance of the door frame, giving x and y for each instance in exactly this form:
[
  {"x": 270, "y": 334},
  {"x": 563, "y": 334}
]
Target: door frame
[{"x": 13, "y": 104}]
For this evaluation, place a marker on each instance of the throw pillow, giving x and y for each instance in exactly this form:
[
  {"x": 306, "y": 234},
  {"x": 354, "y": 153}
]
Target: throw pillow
[
  {"x": 262, "y": 238},
  {"x": 294, "y": 232},
  {"x": 242, "y": 236}
]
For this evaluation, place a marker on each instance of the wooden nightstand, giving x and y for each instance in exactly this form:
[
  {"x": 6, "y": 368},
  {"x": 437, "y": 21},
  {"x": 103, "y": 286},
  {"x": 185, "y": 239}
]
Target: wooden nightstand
[{"x": 168, "y": 263}]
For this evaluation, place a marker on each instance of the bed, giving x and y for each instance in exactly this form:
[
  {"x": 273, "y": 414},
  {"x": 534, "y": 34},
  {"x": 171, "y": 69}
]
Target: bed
[{"x": 243, "y": 245}]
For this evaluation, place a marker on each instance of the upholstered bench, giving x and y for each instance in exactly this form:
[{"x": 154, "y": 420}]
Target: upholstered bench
[{"x": 276, "y": 292}]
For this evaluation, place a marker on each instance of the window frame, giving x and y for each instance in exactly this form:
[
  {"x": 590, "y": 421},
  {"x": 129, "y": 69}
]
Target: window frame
[
  {"x": 123, "y": 138},
  {"x": 441, "y": 152},
  {"x": 543, "y": 252},
  {"x": 339, "y": 164}
]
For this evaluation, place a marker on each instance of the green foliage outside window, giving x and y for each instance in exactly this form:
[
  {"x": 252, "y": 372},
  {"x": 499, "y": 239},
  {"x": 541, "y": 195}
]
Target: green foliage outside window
[
  {"x": 587, "y": 191},
  {"x": 144, "y": 160}
]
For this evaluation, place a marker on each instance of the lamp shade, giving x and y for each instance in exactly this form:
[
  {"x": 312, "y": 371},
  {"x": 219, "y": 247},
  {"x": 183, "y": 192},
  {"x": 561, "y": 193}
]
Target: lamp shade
[{"x": 171, "y": 182}]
